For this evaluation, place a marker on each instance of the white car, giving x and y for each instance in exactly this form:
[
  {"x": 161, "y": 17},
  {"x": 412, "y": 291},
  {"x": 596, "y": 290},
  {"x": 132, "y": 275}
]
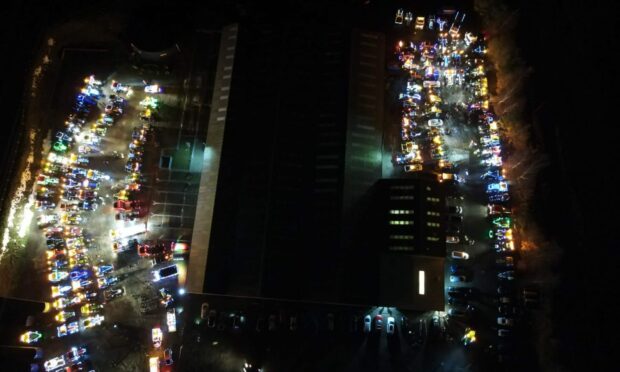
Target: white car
[
  {"x": 390, "y": 325},
  {"x": 408, "y": 18},
  {"x": 504, "y": 321},
  {"x": 156, "y": 336},
  {"x": 419, "y": 23},
  {"x": 54, "y": 364},
  {"x": 92, "y": 321},
  {"x": 452, "y": 239},
  {"x": 171, "y": 320},
  {"x": 399, "y": 17},
  {"x": 367, "y": 324},
  {"x": 460, "y": 255},
  {"x": 154, "y": 88},
  {"x": 435, "y": 123}
]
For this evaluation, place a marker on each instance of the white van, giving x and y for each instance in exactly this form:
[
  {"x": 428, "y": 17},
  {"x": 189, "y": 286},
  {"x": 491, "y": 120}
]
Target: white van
[{"x": 460, "y": 255}]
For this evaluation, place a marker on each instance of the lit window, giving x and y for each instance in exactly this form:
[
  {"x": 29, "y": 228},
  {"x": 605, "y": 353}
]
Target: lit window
[
  {"x": 431, "y": 213},
  {"x": 401, "y": 248},
  {"x": 432, "y": 224},
  {"x": 401, "y": 222},
  {"x": 401, "y": 197},
  {"x": 432, "y": 238},
  {"x": 401, "y": 237},
  {"x": 401, "y": 211}
]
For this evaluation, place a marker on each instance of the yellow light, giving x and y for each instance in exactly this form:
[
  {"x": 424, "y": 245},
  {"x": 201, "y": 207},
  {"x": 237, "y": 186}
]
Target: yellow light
[{"x": 154, "y": 364}]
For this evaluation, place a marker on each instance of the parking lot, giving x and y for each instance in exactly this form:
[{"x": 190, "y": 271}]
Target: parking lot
[
  {"x": 447, "y": 127},
  {"x": 97, "y": 200}
]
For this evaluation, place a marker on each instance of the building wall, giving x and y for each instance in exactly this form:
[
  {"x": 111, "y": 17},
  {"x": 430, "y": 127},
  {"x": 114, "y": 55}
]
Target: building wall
[
  {"x": 203, "y": 221},
  {"x": 413, "y": 239}
]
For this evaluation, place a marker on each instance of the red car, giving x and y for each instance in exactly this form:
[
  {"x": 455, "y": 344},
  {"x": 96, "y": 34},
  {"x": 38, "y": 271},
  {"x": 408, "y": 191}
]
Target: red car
[
  {"x": 495, "y": 209},
  {"x": 146, "y": 250},
  {"x": 378, "y": 322}
]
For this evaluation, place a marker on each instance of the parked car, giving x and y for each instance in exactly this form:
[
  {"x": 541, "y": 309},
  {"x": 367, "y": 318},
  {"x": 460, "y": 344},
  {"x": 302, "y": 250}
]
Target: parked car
[
  {"x": 390, "y": 325},
  {"x": 367, "y": 324},
  {"x": 413, "y": 167},
  {"x": 505, "y": 309},
  {"x": 455, "y": 209},
  {"x": 204, "y": 310},
  {"x": 505, "y": 290},
  {"x": 272, "y": 322},
  {"x": 457, "y": 301},
  {"x": 503, "y": 332},
  {"x": 378, "y": 322},
  {"x": 496, "y": 209},
  {"x": 419, "y": 23},
  {"x": 211, "y": 319},
  {"x": 112, "y": 293},
  {"x": 460, "y": 255},
  {"x": 502, "y": 197},
  {"x": 168, "y": 357},
  {"x": 503, "y": 321},
  {"x": 454, "y": 269},
  {"x": 459, "y": 311},
  {"x": 506, "y": 275},
  {"x": 238, "y": 320},
  {"x": 505, "y": 300},
  {"x": 507, "y": 261},
  {"x": 451, "y": 239},
  {"x": 458, "y": 278},
  {"x": 499, "y": 187},
  {"x": 467, "y": 291}
]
